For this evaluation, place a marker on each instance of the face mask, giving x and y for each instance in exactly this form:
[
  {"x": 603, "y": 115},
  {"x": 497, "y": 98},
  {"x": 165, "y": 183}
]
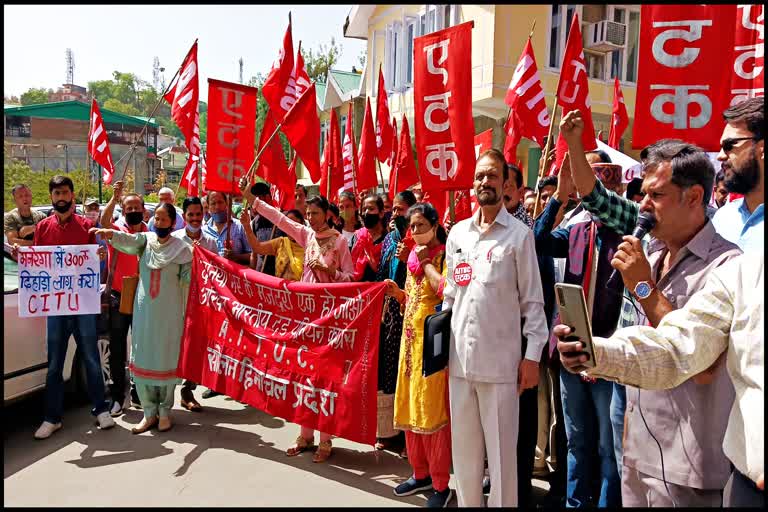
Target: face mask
[
  {"x": 134, "y": 218},
  {"x": 423, "y": 238},
  {"x": 370, "y": 220},
  {"x": 192, "y": 229},
  {"x": 93, "y": 216},
  {"x": 62, "y": 206},
  {"x": 219, "y": 217},
  {"x": 162, "y": 232}
]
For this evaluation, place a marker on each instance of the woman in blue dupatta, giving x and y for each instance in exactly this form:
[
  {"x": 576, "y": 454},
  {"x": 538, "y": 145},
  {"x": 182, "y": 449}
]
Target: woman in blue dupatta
[{"x": 392, "y": 267}]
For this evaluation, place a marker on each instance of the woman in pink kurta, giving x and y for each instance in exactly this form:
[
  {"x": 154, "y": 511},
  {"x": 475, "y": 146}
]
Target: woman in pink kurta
[{"x": 326, "y": 260}]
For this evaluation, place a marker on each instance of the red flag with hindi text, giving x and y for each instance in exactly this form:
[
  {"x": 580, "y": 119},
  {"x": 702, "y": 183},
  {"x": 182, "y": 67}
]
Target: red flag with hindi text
[
  {"x": 404, "y": 173},
  {"x": 384, "y": 131},
  {"x": 573, "y": 88},
  {"x": 366, "y": 158},
  {"x": 528, "y": 115},
  {"x": 619, "y": 117},
  {"x": 231, "y": 130},
  {"x": 274, "y": 88},
  {"x": 443, "y": 108},
  {"x": 98, "y": 144},
  {"x": 302, "y": 128},
  {"x": 349, "y": 154},
  {"x": 185, "y": 95}
]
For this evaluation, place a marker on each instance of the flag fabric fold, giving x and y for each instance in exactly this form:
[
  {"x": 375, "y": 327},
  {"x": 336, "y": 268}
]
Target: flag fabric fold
[
  {"x": 98, "y": 144},
  {"x": 404, "y": 173},
  {"x": 349, "y": 154},
  {"x": 384, "y": 130},
  {"x": 275, "y": 85},
  {"x": 619, "y": 117},
  {"x": 332, "y": 181},
  {"x": 302, "y": 128},
  {"x": 366, "y": 157}
]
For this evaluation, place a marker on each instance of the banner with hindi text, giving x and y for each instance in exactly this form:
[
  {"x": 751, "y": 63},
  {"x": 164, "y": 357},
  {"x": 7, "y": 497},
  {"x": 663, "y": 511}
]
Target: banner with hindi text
[{"x": 307, "y": 353}]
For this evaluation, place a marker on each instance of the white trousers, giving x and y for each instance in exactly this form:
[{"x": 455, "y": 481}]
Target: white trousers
[{"x": 484, "y": 419}]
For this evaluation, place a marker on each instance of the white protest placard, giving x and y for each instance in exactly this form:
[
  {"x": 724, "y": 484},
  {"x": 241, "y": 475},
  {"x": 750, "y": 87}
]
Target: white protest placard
[{"x": 59, "y": 280}]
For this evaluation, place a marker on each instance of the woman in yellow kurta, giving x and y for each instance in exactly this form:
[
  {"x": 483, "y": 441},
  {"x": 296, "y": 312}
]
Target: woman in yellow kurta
[
  {"x": 289, "y": 256},
  {"x": 421, "y": 403}
]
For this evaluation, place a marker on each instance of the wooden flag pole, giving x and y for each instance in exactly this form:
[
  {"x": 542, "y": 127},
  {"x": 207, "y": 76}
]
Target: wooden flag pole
[{"x": 547, "y": 146}]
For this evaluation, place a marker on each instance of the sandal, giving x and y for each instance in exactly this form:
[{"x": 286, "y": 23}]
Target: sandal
[
  {"x": 323, "y": 451},
  {"x": 300, "y": 446},
  {"x": 145, "y": 425},
  {"x": 188, "y": 401}
]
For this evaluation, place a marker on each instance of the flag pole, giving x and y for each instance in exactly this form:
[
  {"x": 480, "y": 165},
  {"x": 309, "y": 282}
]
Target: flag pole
[
  {"x": 381, "y": 175},
  {"x": 451, "y": 208},
  {"x": 547, "y": 146}
]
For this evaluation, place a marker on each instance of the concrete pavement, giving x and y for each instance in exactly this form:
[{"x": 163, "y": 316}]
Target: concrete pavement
[{"x": 228, "y": 455}]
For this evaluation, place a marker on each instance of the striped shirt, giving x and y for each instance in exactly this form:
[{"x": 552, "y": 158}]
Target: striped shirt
[{"x": 726, "y": 315}]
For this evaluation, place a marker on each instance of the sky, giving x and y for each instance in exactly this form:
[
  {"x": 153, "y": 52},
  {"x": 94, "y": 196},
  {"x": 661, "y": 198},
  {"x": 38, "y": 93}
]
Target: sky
[{"x": 126, "y": 38}]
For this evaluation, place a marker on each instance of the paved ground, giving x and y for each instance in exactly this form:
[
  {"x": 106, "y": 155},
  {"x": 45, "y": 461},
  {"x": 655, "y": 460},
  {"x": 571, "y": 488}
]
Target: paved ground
[{"x": 229, "y": 455}]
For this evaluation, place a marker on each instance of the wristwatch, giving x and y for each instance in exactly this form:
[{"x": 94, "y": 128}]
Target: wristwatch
[{"x": 643, "y": 289}]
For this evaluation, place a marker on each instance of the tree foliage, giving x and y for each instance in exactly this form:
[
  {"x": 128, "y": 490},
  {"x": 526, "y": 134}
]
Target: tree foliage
[
  {"x": 35, "y": 96},
  {"x": 322, "y": 59}
]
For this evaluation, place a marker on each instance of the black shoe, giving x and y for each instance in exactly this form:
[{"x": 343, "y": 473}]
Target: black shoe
[
  {"x": 135, "y": 402},
  {"x": 412, "y": 486},
  {"x": 487, "y": 485},
  {"x": 440, "y": 499},
  {"x": 209, "y": 393}
]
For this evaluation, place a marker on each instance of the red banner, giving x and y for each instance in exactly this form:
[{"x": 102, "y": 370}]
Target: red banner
[
  {"x": 231, "y": 132},
  {"x": 679, "y": 93},
  {"x": 442, "y": 63},
  {"x": 307, "y": 353}
]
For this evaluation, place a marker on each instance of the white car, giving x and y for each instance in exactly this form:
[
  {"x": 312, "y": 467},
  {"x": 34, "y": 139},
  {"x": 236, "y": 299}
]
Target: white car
[{"x": 25, "y": 351}]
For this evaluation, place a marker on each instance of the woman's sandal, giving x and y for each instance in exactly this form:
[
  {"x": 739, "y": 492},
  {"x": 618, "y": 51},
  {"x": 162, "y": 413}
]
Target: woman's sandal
[
  {"x": 164, "y": 424},
  {"x": 145, "y": 425},
  {"x": 323, "y": 451},
  {"x": 300, "y": 446}
]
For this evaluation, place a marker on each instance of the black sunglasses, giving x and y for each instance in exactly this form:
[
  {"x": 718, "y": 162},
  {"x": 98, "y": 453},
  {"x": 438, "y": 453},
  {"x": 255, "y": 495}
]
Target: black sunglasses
[{"x": 728, "y": 144}]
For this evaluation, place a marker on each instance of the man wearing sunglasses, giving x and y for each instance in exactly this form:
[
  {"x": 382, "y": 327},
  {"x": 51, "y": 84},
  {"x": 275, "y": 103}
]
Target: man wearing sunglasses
[{"x": 742, "y": 157}]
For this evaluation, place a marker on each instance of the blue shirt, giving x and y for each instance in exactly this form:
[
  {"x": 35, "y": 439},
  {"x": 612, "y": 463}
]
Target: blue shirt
[
  {"x": 734, "y": 223},
  {"x": 240, "y": 243}
]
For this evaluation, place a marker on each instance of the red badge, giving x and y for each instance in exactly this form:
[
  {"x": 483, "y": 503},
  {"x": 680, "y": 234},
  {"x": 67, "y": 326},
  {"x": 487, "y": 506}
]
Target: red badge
[{"x": 462, "y": 274}]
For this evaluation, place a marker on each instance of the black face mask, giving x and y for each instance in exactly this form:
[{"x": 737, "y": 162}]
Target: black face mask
[
  {"x": 134, "y": 218},
  {"x": 162, "y": 232},
  {"x": 401, "y": 223},
  {"x": 62, "y": 206},
  {"x": 370, "y": 220}
]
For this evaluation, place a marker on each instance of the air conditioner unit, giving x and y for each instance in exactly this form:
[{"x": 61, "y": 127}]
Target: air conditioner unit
[{"x": 605, "y": 36}]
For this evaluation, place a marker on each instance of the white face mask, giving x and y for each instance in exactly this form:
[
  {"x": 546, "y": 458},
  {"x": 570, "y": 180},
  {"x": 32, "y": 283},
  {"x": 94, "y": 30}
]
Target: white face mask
[
  {"x": 193, "y": 229},
  {"x": 423, "y": 238}
]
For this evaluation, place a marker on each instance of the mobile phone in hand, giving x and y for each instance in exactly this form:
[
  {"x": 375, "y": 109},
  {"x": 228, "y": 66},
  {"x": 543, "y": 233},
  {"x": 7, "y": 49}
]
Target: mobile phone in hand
[{"x": 574, "y": 314}]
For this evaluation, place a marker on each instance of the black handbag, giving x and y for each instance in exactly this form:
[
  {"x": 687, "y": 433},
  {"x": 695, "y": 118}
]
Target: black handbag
[{"x": 437, "y": 342}]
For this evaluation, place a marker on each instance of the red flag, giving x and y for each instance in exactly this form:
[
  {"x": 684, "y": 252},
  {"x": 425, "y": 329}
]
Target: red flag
[
  {"x": 573, "y": 87},
  {"x": 393, "y": 152},
  {"x": 272, "y": 165},
  {"x": 748, "y": 79},
  {"x": 679, "y": 93},
  {"x": 465, "y": 200},
  {"x": 282, "y": 193},
  {"x": 326, "y": 156},
  {"x": 384, "y": 131},
  {"x": 203, "y": 172},
  {"x": 366, "y": 158},
  {"x": 276, "y": 84},
  {"x": 189, "y": 177},
  {"x": 302, "y": 127},
  {"x": 333, "y": 179},
  {"x": 349, "y": 155},
  {"x": 184, "y": 96},
  {"x": 528, "y": 116},
  {"x": 98, "y": 144},
  {"x": 231, "y": 127},
  {"x": 619, "y": 117},
  {"x": 404, "y": 173},
  {"x": 443, "y": 119}
]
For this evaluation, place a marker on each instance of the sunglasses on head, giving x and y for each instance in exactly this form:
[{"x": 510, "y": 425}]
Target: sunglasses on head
[{"x": 729, "y": 144}]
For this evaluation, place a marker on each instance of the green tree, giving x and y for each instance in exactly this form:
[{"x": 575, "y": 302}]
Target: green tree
[
  {"x": 35, "y": 96},
  {"x": 118, "y": 106},
  {"x": 319, "y": 61}
]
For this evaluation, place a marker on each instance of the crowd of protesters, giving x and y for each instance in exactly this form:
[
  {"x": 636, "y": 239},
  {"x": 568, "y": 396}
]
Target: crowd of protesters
[{"x": 507, "y": 401}]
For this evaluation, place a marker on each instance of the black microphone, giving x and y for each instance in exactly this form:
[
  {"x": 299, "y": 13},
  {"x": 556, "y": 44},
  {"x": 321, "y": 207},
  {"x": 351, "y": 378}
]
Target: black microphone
[{"x": 645, "y": 222}]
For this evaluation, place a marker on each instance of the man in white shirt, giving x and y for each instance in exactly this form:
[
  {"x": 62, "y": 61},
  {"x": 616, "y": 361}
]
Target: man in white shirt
[
  {"x": 493, "y": 286},
  {"x": 725, "y": 316}
]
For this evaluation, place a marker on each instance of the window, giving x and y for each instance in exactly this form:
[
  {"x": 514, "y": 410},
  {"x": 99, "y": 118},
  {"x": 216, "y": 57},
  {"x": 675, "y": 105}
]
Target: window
[
  {"x": 323, "y": 135},
  {"x": 343, "y": 127},
  {"x": 410, "y": 34},
  {"x": 559, "y": 23},
  {"x": 623, "y": 63}
]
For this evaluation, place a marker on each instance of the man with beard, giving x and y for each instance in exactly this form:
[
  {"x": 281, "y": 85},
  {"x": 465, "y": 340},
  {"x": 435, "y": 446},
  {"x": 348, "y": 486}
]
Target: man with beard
[
  {"x": 742, "y": 157},
  {"x": 121, "y": 265},
  {"x": 494, "y": 290},
  {"x": 67, "y": 228}
]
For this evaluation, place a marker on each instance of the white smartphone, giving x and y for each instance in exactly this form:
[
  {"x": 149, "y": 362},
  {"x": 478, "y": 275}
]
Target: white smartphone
[{"x": 574, "y": 314}]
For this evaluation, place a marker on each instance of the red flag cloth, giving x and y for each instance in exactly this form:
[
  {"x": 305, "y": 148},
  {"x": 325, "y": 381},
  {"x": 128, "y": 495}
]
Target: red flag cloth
[
  {"x": 189, "y": 176},
  {"x": 404, "y": 173},
  {"x": 296, "y": 359},
  {"x": 231, "y": 128},
  {"x": 349, "y": 155},
  {"x": 561, "y": 149},
  {"x": 573, "y": 88},
  {"x": 184, "y": 96},
  {"x": 528, "y": 116},
  {"x": 333, "y": 163},
  {"x": 98, "y": 144},
  {"x": 272, "y": 165},
  {"x": 465, "y": 200},
  {"x": 276, "y": 85},
  {"x": 366, "y": 158},
  {"x": 395, "y": 145},
  {"x": 283, "y": 193},
  {"x": 203, "y": 172},
  {"x": 384, "y": 131},
  {"x": 302, "y": 127},
  {"x": 619, "y": 117},
  {"x": 678, "y": 94},
  {"x": 326, "y": 157},
  {"x": 443, "y": 108}
]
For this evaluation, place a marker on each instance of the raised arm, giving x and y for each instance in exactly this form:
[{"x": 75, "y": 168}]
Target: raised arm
[
  {"x": 264, "y": 248},
  {"x": 106, "y": 216},
  {"x": 128, "y": 243}
]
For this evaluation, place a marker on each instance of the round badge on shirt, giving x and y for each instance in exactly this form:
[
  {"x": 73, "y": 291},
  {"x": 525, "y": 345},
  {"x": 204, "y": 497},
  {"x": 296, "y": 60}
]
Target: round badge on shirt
[{"x": 462, "y": 274}]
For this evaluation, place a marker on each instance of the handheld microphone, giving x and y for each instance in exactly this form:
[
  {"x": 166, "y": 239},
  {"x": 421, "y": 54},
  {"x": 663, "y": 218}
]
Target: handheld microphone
[{"x": 645, "y": 222}]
